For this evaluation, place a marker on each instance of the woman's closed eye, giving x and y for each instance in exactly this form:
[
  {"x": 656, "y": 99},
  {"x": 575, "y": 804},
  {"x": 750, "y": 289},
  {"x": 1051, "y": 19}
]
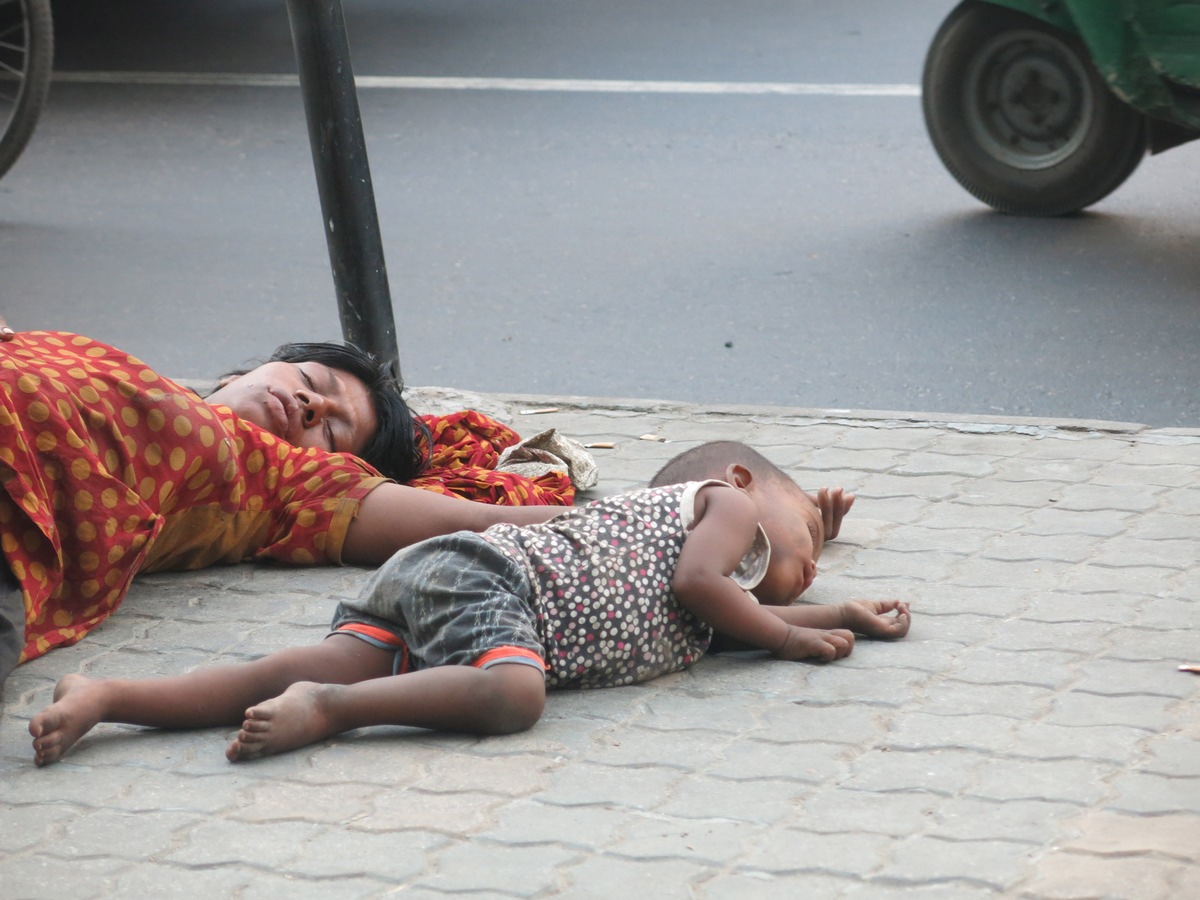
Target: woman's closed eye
[{"x": 326, "y": 424}]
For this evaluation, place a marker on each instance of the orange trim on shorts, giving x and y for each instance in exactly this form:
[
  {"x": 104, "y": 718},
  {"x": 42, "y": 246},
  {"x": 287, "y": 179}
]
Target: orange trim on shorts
[
  {"x": 508, "y": 653},
  {"x": 383, "y": 636},
  {"x": 372, "y": 631}
]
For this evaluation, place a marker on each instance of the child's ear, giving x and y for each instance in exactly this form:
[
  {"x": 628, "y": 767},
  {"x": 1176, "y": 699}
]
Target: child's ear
[
  {"x": 739, "y": 476},
  {"x": 226, "y": 380}
]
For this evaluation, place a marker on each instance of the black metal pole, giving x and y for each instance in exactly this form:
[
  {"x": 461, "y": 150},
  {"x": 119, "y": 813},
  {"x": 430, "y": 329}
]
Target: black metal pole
[{"x": 343, "y": 176}]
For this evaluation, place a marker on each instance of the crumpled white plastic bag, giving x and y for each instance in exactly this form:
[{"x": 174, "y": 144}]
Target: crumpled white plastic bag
[{"x": 549, "y": 451}]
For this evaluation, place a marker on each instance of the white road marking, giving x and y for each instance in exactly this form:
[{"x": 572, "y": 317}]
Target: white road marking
[{"x": 561, "y": 85}]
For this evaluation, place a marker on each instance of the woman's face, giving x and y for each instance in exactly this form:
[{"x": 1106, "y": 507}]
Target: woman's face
[{"x": 307, "y": 404}]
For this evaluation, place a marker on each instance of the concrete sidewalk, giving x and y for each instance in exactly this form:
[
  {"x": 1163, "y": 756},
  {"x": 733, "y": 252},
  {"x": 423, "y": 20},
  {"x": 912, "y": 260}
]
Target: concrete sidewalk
[{"x": 1032, "y": 737}]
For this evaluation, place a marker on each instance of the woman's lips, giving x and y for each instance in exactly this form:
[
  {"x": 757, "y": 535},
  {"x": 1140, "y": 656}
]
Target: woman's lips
[{"x": 284, "y": 414}]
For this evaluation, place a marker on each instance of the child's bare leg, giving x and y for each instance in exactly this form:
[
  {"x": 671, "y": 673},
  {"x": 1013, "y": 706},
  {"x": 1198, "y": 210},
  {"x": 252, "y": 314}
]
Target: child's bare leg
[
  {"x": 501, "y": 699},
  {"x": 205, "y": 697}
]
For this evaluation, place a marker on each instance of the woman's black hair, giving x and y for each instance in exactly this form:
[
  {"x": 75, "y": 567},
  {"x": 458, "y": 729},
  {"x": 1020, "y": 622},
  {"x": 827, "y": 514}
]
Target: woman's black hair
[{"x": 400, "y": 446}]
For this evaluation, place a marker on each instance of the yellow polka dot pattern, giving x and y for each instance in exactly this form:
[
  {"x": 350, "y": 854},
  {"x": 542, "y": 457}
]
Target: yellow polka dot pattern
[{"x": 109, "y": 469}]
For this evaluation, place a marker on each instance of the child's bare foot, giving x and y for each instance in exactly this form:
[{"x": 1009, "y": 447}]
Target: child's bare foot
[
  {"x": 869, "y": 617},
  {"x": 78, "y": 705},
  {"x": 296, "y": 718}
]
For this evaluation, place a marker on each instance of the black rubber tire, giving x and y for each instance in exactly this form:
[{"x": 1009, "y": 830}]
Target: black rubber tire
[
  {"x": 1020, "y": 116},
  {"x": 26, "y": 61}
]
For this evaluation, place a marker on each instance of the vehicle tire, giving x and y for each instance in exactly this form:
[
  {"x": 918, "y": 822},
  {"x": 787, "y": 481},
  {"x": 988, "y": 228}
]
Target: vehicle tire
[
  {"x": 1020, "y": 116},
  {"x": 26, "y": 62}
]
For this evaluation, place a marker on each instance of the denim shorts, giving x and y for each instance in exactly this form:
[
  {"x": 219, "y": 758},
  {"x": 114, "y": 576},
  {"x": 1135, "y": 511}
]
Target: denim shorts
[{"x": 453, "y": 600}]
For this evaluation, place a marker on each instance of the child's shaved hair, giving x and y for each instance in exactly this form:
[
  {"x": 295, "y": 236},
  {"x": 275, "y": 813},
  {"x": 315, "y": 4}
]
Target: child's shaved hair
[{"x": 711, "y": 460}]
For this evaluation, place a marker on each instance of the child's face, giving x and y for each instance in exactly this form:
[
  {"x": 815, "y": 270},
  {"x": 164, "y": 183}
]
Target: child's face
[{"x": 793, "y": 526}]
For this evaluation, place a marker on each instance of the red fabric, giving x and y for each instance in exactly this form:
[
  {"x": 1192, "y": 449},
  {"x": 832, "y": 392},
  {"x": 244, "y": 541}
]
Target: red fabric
[
  {"x": 107, "y": 469},
  {"x": 466, "y": 447}
]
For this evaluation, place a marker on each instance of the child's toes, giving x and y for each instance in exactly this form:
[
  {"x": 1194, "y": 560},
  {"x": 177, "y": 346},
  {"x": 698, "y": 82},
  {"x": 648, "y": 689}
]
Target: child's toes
[
  {"x": 247, "y": 745},
  {"x": 46, "y": 752},
  {"x": 236, "y": 751}
]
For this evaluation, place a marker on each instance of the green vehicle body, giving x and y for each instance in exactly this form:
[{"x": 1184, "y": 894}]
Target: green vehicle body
[{"x": 1148, "y": 51}]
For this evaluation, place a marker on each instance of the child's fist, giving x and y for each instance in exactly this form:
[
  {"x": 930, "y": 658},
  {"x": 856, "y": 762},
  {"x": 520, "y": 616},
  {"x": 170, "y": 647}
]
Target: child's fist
[{"x": 870, "y": 618}]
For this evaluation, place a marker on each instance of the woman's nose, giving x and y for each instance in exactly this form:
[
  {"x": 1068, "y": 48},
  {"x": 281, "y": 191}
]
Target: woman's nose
[{"x": 312, "y": 408}]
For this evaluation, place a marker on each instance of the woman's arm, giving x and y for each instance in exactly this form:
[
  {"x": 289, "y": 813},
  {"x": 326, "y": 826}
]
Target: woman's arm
[
  {"x": 726, "y": 524},
  {"x": 393, "y": 516}
]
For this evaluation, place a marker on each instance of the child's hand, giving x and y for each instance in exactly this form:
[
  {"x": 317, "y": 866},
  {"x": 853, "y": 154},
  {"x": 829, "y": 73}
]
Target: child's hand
[
  {"x": 6, "y": 333},
  {"x": 815, "y": 643},
  {"x": 834, "y": 504},
  {"x": 868, "y": 617}
]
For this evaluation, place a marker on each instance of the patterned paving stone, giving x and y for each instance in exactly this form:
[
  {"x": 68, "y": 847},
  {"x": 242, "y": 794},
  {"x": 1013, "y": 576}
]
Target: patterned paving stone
[
  {"x": 1063, "y": 875},
  {"x": 599, "y": 877},
  {"x": 533, "y": 822},
  {"x": 42, "y": 875},
  {"x": 841, "y": 809},
  {"x": 1141, "y": 792},
  {"x": 481, "y": 867},
  {"x": 771, "y": 886},
  {"x": 844, "y": 854},
  {"x": 1056, "y": 781},
  {"x": 918, "y": 731},
  {"x": 716, "y": 842},
  {"x": 1021, "y": 821},
  {"x": 1032, "y": 737},
  {"x": 804, "y": 762},
  {"x": 993, "y": 864}
]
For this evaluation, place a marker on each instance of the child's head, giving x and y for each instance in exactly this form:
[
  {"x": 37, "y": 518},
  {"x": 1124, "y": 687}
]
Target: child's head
[
  {"x": 717, "y": 459},
  {"x": 790, "y": 517}
]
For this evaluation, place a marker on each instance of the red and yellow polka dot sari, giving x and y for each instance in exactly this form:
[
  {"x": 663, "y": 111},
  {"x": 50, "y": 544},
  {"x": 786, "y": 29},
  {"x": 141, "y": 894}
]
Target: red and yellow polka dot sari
[{"x": 109, "y": 469}]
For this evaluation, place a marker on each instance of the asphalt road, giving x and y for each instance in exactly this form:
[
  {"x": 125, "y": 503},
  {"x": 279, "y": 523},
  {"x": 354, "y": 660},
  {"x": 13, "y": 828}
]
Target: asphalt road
[{"x": 795, "y": 249}]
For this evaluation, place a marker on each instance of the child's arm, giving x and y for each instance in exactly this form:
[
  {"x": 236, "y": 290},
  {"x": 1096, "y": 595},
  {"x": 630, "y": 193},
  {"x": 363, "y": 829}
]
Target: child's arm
[
  {"x": 726, "y": 525},
  {"x": 866, "y": 617}
]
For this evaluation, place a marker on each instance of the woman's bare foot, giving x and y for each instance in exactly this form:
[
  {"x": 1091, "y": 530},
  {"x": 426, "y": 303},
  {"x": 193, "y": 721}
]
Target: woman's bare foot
[
  {"x": 296, "y": 718},
  {"x": 78, "y": 705},
  {"x": 869, "y": 617}
]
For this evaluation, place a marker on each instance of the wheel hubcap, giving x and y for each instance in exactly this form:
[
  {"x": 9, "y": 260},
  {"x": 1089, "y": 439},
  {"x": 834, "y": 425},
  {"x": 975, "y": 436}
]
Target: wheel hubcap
[{"x": 1029, "y": 101}]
